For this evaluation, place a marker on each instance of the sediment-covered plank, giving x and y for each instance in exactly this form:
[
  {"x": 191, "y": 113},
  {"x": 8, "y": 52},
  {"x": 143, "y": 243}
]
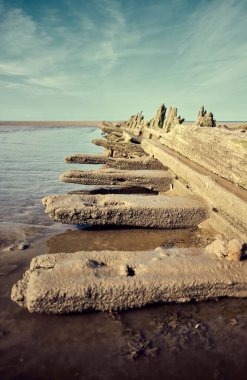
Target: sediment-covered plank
[
  {"x": 112, "y": 280},
  {"x": 154, "y": 211},
  {"x": 121, "y": 149},
  {"x": 151, "y": 179},
  {"x": 93, "y": 159},
  {"x": 142, "y": 163}
]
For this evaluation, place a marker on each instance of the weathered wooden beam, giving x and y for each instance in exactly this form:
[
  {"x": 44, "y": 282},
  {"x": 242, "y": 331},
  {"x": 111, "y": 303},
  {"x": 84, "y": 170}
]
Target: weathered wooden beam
[
  {"x": 113, "y": 280},
  {"x": 151, "y": 179},
  {"x": 154, "y": 211},
  {"x": 142, "y": 163},
  {"x": 120, "y": 149}
]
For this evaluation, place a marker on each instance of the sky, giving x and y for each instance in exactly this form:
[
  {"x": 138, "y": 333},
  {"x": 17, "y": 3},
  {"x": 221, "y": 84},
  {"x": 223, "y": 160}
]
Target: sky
[{"x": 109, "y": 59}]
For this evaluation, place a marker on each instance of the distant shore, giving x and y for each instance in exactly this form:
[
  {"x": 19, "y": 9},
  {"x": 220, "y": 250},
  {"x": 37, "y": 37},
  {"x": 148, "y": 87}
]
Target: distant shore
[
  {"x": 50, "y": 123},
  {"x": 94, "y": 123}
]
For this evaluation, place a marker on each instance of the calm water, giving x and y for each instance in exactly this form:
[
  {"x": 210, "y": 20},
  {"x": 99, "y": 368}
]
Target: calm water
[{"x": 31, "y": 160}]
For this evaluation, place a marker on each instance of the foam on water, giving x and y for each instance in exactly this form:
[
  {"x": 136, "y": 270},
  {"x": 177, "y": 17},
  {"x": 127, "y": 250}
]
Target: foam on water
[{"x": 31, "y": 160}]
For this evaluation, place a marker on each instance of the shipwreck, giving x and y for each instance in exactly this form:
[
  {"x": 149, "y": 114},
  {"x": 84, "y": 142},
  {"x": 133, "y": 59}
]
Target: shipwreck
[{"x": 162, "y": 173}]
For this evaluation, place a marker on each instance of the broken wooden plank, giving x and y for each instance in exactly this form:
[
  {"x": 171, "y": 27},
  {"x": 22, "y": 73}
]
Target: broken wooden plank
[
  {"x": 154, "y": 211},
  {"x": 113, "y": 280},
  {"x": 152, "y": 179},
  {"x": 120, "y": 149},
  {"x": 142, "y": 163}
]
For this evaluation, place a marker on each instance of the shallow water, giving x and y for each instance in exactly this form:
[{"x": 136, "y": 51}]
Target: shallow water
[
  {"x": 192, "y": 341},
  {"x": 31, "y": 160}
]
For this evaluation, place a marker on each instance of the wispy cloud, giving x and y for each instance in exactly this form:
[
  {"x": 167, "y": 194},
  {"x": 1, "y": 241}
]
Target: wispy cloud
[
  {"x": 50, "y": 48},
  {"x": 12, "y": 69},
  {"x": 216, "y": 38}
]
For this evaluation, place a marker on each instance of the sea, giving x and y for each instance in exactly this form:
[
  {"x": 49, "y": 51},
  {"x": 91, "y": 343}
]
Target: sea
[{"x": 31, "y": 161}]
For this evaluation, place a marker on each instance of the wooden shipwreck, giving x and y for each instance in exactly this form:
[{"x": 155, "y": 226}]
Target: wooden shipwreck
[{"x": 197, "y": 177}]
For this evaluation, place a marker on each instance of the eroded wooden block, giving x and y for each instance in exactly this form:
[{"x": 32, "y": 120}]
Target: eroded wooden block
[
  {"x": 154, "y": 211},
  {"x": 112, "y": 280}
]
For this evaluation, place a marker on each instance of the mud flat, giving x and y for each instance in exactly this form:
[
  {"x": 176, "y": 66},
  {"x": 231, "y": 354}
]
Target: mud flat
[
  {"x": 109, "y": 280},
  {"x": 126, "y": 210}
]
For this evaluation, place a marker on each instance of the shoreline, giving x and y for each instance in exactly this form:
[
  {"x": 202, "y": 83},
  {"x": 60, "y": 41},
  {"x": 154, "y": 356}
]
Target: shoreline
[
  {"x": 57, "y": 123},
  {"x": 98, "y": 123}
]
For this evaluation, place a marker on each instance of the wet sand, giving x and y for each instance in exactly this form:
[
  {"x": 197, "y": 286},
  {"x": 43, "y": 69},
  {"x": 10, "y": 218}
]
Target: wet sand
[{"x": 204, "y": 340}]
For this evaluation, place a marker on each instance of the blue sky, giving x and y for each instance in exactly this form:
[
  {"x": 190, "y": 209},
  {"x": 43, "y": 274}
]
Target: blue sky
[{"x": 108, "y": 59}]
